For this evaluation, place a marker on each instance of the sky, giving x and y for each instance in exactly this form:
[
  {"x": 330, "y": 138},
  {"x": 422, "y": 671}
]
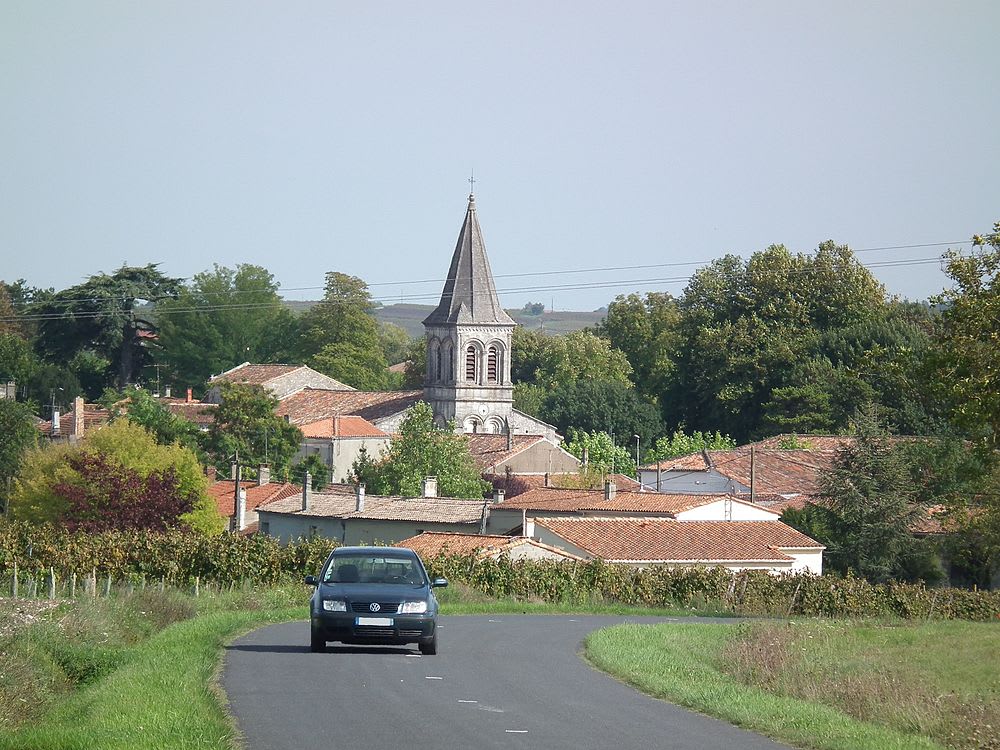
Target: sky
[{"x": 616, "y": 147}]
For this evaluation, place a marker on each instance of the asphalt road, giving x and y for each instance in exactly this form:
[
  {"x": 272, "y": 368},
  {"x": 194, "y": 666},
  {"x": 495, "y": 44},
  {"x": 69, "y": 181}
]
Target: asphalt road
[{"x": 505, "y": 682}]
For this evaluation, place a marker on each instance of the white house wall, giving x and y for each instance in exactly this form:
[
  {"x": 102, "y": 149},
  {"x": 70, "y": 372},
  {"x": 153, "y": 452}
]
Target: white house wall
[
  {"x": 716, "y": 511},
  {"x": 805, "y": 560}
]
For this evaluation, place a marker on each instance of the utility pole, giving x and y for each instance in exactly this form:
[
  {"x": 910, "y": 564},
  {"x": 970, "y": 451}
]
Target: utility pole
[
  {"x": 636, "y": 457},
  {"x": 753, "y": 494}
]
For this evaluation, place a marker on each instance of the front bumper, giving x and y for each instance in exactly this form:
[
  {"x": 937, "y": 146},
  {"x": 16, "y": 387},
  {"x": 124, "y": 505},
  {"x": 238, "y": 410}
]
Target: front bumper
[{"x": 348, "y": 627}]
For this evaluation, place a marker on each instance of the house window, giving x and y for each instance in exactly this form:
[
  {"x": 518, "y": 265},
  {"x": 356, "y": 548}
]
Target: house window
[
  {"x": 470, "y": 363},
  {"x": 493, "y": 365}
]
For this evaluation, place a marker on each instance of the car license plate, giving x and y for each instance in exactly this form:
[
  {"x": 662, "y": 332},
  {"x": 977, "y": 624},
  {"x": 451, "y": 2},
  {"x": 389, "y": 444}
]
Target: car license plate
[{"x": 383, "y": 621}]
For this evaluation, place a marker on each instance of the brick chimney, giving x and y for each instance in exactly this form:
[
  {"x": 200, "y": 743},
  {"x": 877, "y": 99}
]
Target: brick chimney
[
  {"x": 429, "y": 487},
  {"x": 307, "y": 491},
  {"x": 79, "y": 425},
  {"x": 263, "y": 475},
  {"x": 336, "y": 425},
  {"x": 610, "y": 490},
  {"x": 190, "y": 397},
  {"x": 359, "y": 497}
]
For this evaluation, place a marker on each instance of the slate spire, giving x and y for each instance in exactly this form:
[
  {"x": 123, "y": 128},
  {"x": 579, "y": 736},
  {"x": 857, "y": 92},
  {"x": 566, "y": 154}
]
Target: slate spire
[{"x": 469, "y": 295}]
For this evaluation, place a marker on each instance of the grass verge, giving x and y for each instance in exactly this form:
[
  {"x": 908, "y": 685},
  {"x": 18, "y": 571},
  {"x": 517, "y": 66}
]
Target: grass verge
[
  {"x": 141, "y": 682},
  {"x": 822, "y": 684}
]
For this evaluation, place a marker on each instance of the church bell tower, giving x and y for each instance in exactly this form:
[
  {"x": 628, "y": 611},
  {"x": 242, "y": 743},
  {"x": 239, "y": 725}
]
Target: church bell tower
[{"x": 469, "y": 342}]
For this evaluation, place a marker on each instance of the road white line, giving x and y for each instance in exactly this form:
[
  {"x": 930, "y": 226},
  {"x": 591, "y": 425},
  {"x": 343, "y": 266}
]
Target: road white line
[
  {"x": 461, "y": 701},
  {"x": 433, "y": 678},
  {"x": 516, "y": 731}
]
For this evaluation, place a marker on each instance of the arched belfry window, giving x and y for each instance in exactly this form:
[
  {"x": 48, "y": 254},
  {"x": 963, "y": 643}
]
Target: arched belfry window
[
  {"x": 470, "y": 363},
  {"x": 438, "y": 372},
  {"x": 493, "y": 365}
]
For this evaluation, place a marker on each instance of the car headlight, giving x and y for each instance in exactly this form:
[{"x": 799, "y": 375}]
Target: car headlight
[
  {"x": 413, "y": 608},
  {"x": 334, "y": 605}
]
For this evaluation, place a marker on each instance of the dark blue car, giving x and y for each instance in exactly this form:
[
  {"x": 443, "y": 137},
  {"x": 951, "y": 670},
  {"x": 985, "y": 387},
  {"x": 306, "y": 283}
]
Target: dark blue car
[{"x": 380, "y": 595}]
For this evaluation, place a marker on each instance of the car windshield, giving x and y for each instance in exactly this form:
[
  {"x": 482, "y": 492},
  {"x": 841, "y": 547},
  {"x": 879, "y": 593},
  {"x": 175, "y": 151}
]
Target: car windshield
[{"x": 374, "y": 568}]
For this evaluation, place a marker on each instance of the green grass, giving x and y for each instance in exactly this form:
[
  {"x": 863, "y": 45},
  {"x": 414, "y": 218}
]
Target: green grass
[
  {"x": 822, "y": 684},
  {"x": 141, "y": 682}
]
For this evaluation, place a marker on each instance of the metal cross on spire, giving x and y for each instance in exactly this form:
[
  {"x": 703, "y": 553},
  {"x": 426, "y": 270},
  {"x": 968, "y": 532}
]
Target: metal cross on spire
[{"x": 472, "y": 182}]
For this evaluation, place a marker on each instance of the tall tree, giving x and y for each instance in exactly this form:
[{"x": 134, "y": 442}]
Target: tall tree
[
  {"x": 102, "y": 315},
  {"x": 17, "y": 428},
  {"x": 222, "y": 318},
  {"x": 968, "y": 360},
  {"x": 595, "y": 406},
  {"x": 421, "y": 450},
  {"x": 245, "y": 424},
  {"x": 646, "y": 331},
  {"x": 581, "y": 355},
  {"x": 870, "y": 506},
  {"x": 340, "y": 338}
]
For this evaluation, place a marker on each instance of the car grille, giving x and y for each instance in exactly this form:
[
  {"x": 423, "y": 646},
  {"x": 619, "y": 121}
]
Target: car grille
[
  {"x": 387, "y": 608},
  {"x": 410, "y": 633}
]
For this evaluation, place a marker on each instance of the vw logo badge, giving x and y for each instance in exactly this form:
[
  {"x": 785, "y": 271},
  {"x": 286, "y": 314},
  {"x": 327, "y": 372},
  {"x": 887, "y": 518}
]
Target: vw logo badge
[{"x": 375, "y": 607}]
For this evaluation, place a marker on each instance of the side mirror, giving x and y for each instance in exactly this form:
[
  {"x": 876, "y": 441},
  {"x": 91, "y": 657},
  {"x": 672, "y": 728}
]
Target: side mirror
[
  {"x": 438, "y": 583},
  {"x": 312, "y": 581}
]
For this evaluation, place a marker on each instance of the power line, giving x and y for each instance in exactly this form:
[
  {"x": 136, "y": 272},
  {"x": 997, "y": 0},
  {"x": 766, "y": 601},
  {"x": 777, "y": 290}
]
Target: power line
[{"x": 560, "y": 272}]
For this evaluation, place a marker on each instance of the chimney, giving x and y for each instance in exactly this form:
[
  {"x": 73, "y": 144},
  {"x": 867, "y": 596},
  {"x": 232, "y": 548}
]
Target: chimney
[
  {"x": 210, "y": 472},
  {"x": 498, "y": 496},
  {"x": 430, "y": 487},
  {"x": 166, "y": 391},
  {"x": 546, "y": 479},
  {"x": 240, "y": 517},
  {"x": 307, "y": 491},
  {"x": 78, "y": 423},
  {"x": 336, "y": 425},
  {"x": 359, "y": 497},
  {"x": 232, "y": 470},
  {"x": 585, "y": 456},
  {"x": 610, "y": 490},
  {"x": 263, "y": 475},
  {"x": 190, "y": 397},
  {"x": 55, "y": 423}
]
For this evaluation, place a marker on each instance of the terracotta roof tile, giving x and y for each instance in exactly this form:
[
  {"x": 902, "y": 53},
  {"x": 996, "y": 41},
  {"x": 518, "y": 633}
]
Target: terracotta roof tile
[
  {"x": 666, "y": 540},
  {"x": 346, "y": 426},
  {"x": 776, "y": 471},
  {"x": 313, "y": 404},
  {"x": 433, "y": 543},
  {"x": 253, "y": 374},
  {"x": 339, "y": 501},
  {"x": 193, "y": 411},
  {"x": 490, "y": 450},
  {"x": 223, "y": 490}
]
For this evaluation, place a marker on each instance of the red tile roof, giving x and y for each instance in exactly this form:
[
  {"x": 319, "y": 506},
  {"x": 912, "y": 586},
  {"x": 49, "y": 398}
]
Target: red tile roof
[
  {"x": 590, "y": 501},
  {"x": 433, "y": 543},
  {"x": 347, "y": 426},
  {"x": 313, "y": 404},
  {"x": 339, "y": 501},
  {"x": 776, "y": 471},
  {"x": 666, "y": 540},
  {"x": 94, "y": 415},
  {"x": 253, "y": 374},
  {"x": 490, "y": 450},
  {"x": 193, "y": 411},
  {"x": 223, "y": 493}
]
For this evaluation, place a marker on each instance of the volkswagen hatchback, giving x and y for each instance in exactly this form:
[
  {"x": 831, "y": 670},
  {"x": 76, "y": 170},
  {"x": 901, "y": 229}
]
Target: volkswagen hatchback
[{"x": 374, "y": 595}]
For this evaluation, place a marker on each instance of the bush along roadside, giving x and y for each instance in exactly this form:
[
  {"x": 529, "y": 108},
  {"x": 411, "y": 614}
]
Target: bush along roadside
[{"x": 43, "y": 554}]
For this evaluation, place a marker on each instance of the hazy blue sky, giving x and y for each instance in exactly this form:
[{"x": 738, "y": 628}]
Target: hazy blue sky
[{"x": 317, "y": 136}]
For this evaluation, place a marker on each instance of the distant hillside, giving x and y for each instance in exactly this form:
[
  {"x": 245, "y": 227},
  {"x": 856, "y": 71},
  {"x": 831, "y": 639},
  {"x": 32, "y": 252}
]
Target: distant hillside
[{"x": 411, "y": 318}]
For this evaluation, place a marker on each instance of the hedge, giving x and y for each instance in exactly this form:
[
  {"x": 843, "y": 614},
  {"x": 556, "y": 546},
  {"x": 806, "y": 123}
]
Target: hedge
[{"x": 180, "y": 557}]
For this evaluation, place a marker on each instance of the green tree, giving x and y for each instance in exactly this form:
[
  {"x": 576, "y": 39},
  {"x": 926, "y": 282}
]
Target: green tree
[
  {"x": 581, "y": 355},
  {"x": 595, "y": 406},
  {"x": 139, "y": 406},
  {"x": 395, "y": 342},
  {"x": 360, "y": 368},
  {"x": 420, "y": 450},
  {"x": 646, "y": 331},
  {"x": 968, "y": 358},
  {"x": 416, "y": 365},
  {"x": 17, "y": 428},
  {"x": 122, "y": 443},
  {"x": 870, "y": 506},
  {"x": 682, "y": 444},
  {"x": 599, "y": 452},
  {"x": 101, "y": 315},
  {"x": 245, "y": 424},
  {"x": 222, "y": 318},
  {"x": 313, "y": 465},
  {"x": 527, "y": 347}
]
